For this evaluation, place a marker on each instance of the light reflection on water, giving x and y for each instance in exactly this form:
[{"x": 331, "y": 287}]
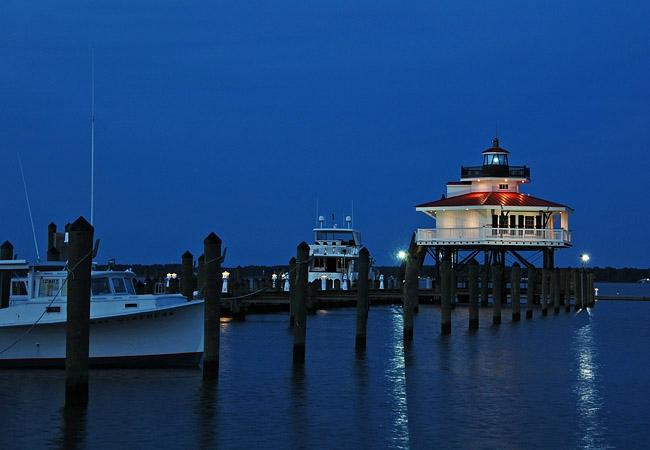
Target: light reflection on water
[
  {"x": 589, "y": 400},
  {"x": 396, "y": 375}
]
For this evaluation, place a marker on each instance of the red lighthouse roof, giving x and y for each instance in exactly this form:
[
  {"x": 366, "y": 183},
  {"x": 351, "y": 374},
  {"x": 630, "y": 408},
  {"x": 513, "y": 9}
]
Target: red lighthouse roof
[{"x": 492, "y": 199}]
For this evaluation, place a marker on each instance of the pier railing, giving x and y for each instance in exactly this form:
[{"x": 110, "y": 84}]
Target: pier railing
[{"x": 493, "y": 236}]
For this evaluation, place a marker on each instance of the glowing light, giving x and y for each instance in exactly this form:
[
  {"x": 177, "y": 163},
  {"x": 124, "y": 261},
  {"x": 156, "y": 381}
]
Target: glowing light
[
  {"x": 225, "y": 275},
  {"x": 584, "y": 258},
  {"x": 401, "y": 255}
]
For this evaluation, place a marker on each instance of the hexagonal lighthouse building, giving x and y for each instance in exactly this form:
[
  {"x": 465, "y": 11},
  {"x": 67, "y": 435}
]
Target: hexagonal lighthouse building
[{"x": 486, "y": 212}]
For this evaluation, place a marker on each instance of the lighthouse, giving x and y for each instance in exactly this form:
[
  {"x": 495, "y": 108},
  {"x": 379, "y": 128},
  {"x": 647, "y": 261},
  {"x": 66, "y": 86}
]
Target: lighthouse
[{"x": 487, "y": 212}]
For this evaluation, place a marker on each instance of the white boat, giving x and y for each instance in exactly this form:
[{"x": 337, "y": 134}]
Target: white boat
[
  {"x": 335, "y": 254},
  {"x": 126, "y": 330}
]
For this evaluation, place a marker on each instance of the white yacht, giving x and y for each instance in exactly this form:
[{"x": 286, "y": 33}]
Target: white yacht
[
  {"x": 335, "y": 253},
  {"x": 125, "y": 329}
]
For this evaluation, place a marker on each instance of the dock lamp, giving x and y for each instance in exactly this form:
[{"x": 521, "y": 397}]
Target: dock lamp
[
  {"x": 224, "y": 285},
  {"x": 584, "y": 258},
  {"x": 401, "y": 255}
]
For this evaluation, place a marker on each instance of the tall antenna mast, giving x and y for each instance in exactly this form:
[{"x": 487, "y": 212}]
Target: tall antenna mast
[
  {"x": 29, "y": 208},
  {"x": 92, "y": 139}
]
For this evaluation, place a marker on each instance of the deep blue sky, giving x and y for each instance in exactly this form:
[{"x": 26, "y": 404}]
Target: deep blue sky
[{"x": 237, "y": 116}]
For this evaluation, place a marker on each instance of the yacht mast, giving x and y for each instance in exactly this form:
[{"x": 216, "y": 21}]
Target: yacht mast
[{"x": 92, "y": 140}]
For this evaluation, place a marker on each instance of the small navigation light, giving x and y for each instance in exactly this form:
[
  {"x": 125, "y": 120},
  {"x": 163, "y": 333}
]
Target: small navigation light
[
  {"x": 274, "y": 276},
  {"x": 401, "y": 255},
  {"x": 174, "y": 276},
  {"x": 169, "y": 275},
  {"x": 225, "y": 275},
  {"x": 584, "y": 258}
]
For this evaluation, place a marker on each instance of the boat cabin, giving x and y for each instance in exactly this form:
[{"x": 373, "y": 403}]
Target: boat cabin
[{"x": 334, "y": 251}]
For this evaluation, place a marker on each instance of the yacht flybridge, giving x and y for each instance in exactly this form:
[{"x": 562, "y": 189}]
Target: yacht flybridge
[
  {"x": 126, "y": 329},
  {"x": 335, "y": 253}
]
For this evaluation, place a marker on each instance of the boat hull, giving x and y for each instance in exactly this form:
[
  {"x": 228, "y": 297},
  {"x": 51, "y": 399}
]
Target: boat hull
[{"x": 170, "y": 337}]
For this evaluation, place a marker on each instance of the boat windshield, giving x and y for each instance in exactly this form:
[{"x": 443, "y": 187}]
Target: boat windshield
[
  {"x": 100, "y": 286},
  {"x": 346, "y": 237}
]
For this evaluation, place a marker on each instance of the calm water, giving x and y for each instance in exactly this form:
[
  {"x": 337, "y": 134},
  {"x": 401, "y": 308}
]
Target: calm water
[{"x": 568, "y": 381}]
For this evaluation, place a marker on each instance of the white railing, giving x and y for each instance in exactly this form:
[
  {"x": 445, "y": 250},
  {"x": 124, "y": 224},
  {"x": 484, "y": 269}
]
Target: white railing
[{"x": 489, "y": 235}]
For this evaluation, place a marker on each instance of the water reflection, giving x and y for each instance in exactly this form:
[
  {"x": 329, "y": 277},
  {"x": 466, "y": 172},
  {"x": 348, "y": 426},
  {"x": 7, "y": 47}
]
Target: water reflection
[
  {"x": 589, "y": 399},
  {"x": 207, "y": 414},
  {"x": 298, "y": 406},
  {"x": 73, "y": 428},
  {"x": 396, "y": 374}
]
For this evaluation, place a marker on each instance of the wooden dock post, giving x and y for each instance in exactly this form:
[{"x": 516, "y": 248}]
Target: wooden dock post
[
  {"x": 187, "y": 275},
  {"x": 6, "y": 253},
  {"x": 410, "y": 290},
  {"x": 445, "y": 300},
  {"x": 530, "y": 292},
  {"x": 578, "y": 289},
  {"x": 497, "y": 287},
  {"x": 515, "y": 291},
  {"x": 591, "y": 293},
  {"x": 77, "y": 338},
  {"x": 52, "y": 252},
  {"x": 300, "y": 323},
  {"x": 292, "y": 292},
  {"x": 212, "y": 306},
  {"x": 544, "y": 299},
  {"x": 362, "y": 300},
  {"x": 473, "y": 294},
  {"x": 200, "y": 279},
  {"x": 555, "y": 290},
  {"x": 485, "y": 281}
]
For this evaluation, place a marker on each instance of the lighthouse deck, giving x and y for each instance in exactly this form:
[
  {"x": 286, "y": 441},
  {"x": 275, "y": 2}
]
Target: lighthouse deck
[{"x": 491, "y": 236}]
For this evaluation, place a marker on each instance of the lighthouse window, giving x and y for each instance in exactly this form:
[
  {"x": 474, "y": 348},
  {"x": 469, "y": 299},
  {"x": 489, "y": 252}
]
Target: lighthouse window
[{"x": 503, "y": 187}]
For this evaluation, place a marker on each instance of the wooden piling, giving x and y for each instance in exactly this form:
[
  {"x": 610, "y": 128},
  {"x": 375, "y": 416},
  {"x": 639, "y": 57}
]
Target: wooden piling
[
  {"x": 544, "y": 299},
  {"x": 445, "y": 300},
  {"x": 515, "y": 291},
  {"x": 52, "y": 252},
  {"x": 212, "y": 306},
  {"x": 578, "y": 289},
  {"x": 200, "y": 279},
  {"x": 555, "y": 290},
  {"x": 497, "y": 286},
  {"x": 77, "y": 339},
  {"x": 530, "y": 292},
  {"x": 409, "y": 293},
  {"x": 362, "y": 300},
  {"x": 187, "y": 275},
  {"x": 300, "y": 324},
  {"x": 485, "y": 281},
  {"x": 292, "y": 292},
  {"x": 6, "y": 253},
  {"x": 567, "y": 290},
  {"x": 473, "y": 294}
]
